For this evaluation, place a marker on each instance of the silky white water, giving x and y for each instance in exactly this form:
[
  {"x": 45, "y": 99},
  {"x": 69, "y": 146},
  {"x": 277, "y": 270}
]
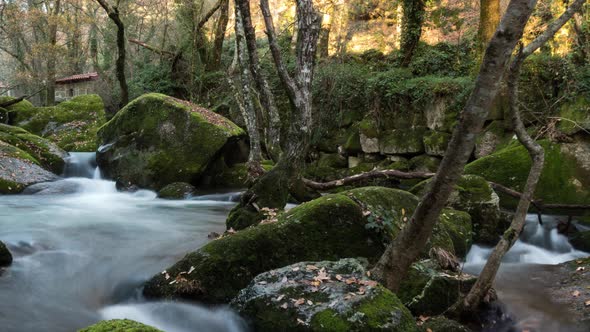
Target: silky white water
[{"x": 82, "y": 257}]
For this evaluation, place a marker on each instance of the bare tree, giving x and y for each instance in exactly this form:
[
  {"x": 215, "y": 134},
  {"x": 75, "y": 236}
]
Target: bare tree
[
  {"x": 399, "y": 255},
  {"x": 271, "y": 190},
  {"x": 113, "y": 13},
  {"x": 222, "y": 21},
  {"x": 273, "y": 124},
  {"x": 487, "y": 276},
  {"x": 239, "y": 77}
]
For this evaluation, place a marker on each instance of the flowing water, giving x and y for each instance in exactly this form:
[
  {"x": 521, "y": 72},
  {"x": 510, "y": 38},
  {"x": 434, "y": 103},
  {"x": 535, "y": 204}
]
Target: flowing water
[
  {"x": 522, "y": 282},
  {"x": 81, "y": 258}
]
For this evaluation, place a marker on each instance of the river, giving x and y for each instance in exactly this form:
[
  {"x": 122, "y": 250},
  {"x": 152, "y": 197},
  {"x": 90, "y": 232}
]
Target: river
[{"x": 82, "y": 257}]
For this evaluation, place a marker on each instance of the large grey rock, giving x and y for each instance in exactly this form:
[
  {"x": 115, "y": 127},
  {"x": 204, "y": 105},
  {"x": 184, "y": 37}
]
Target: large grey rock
[
  {"x": 62, "y": 187},
  {"x": 19, "y": 170},
  {"x": 322, "y": 296}
]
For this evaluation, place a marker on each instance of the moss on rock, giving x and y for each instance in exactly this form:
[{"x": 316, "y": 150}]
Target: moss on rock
[
  {"x": 442, "y": 324},
  {"x": 565, "y": 178},
  {"x": 270, "y": 301},
  {"x": 156, "y": 140},
  {"x": 474, "y": 195},
  {"x": 46, "y": 153},
  {"x": 435, "y": 143},
  {"x": 575, "y": 116},
  {"x": 18, "y": 169},
  {"x": 403, "y": 141},
  {"x": 72, "y": 124},
  {"x": 119, "y": 325},
  {"x": 177, "y": 190},
  {"x": 355, "y": 223},
  {"x": 581, "y": 241}
]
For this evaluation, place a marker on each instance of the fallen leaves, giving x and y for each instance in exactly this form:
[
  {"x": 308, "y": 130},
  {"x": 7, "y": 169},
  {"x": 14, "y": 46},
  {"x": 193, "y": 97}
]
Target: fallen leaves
[{"x": 576, "y": 293}]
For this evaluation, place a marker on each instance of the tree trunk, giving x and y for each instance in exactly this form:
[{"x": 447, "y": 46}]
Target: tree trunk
[
  {"x": 239, "y": 75},
  {"x": 393, "y": 265},
  {"x": 113, "y": 13},
  {"x": 488, "y": 274},
  {"x": 215, "y": 56},
  {"x": 489, "y": 18},
  {"x": 271, "y": 190},
  {"x": 413, "y": 18},
  {"x": 52, "y": 55},
  {"x": 267, "y": 100}
]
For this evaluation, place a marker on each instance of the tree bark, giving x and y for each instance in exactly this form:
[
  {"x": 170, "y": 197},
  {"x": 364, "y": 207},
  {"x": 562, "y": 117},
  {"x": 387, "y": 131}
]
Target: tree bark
[
  {"x": 488, "y": 274},
  {"x": 271, "y": 190},
  {"x": 273, "y": 124},
  {"x": 52, "y": 55},
  {"x": 413, "y": 18},
  {"x": 239, "y": 74},
  {"x": 489, "y": 18},
  {"x": 393, "y": 265},
  {"x": 388, "y": 173},
  {"x": 222, "y": 21},
  {"x": 113, "y": 13}
]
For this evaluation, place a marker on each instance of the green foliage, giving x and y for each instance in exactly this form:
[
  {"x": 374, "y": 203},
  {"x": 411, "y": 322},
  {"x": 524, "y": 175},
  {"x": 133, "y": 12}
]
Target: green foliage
[
  {"x": 443, "y": 59},
  {"x": 150, "y": 77},
  {"x": 119, "y": 325}
]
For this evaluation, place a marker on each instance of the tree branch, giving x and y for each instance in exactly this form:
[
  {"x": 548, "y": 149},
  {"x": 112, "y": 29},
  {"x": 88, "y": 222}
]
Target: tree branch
[{"x": 151, "y": 48}]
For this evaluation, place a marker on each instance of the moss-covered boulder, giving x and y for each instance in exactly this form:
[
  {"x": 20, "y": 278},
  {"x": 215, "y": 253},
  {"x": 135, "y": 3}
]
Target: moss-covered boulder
[
  {"x": 355, "y": 223},
  {"x": 7, "y": 114},
  {"x": 177, "y": 190},
  {"x": 333, "y": 160},
  {"x": 494, "y": 137},
  {"x": 430, "y": 290},
  {"x": 369, "y": 136},
  {"x": 156, "y": 140},
  {"x": 119, "y": 325},
  {"x": 5, "y": 256},
  {"x": 402, "y": 141},
  {"x": 46, "y": 153},
  {"x": 72, "y": 124},
  {"x": 442, "y": 324},
  {"x": 18, "y": 169},
  {"x": 435, "y": 143},
  {"x": 575, "y": 116},
  {"x": 565, "y": 178},
  {"x": 474, "y": 195},
  {"x": 321, "y": 296},
  {"x": 424, "y": 163}
]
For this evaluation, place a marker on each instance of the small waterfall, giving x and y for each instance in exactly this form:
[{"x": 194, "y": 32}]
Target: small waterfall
[{"x": 82, "y": 165}]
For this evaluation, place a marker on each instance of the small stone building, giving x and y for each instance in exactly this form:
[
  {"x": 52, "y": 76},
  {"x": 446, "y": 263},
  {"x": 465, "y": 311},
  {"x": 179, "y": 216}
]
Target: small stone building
[{"x": 76, "y": 85}]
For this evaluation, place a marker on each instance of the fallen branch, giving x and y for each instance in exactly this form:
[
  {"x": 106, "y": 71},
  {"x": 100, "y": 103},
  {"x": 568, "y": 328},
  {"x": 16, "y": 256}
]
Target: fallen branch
[
  {"x": 19, "y": 99},
  {"x": 391, "y": 173},
  {"x": 151, "y": 48}
]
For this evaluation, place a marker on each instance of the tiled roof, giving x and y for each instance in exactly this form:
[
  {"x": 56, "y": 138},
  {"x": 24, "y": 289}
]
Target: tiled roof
[{"x": 78, "y": 78}]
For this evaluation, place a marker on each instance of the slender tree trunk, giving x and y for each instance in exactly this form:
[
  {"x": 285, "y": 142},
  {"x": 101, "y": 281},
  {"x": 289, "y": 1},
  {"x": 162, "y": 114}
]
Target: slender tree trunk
[
  {"x": 272, "y": 189},
  {"x": 413, "y": 18},
  {"x": 215, "y": 57},
  {"x": 324, "y": 43},
  {"x": 239, "y": 74},
  {"x": 489, "y": 18},
  {"x": 393, "y": 265},
  {"x": 488, "y": 274},
  {"x": 113, "y": 13},
  {"x": 52, "y": 55},
  {"x": 267, "y": 100}
]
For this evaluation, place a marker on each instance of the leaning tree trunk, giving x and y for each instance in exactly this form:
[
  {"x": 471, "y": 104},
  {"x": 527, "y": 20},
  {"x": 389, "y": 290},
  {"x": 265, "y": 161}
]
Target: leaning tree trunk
[
  {"x": 272, "y": 189},
  {"x": 113, "y": 13},
  {"x": 273, "y": 123},
  {"x": 413, "y": 18},
  {"x": 239, "y": 77},
  {"x": 215, "y": 56},
  {"x": 488, "y": 274},
  {"x": 405, "y": 249},
  {"x": 489, "y": 18}
]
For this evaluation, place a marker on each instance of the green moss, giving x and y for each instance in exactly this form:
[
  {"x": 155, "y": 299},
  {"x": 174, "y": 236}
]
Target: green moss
[
  {"x": 369, "y": 128},
  {"x": 378, "y": 311},
  {"x": 327, "y": 228},
  {"x": 72, "y": 124},
  {"x": 176, "y": 190},
  {"x": 332, "y": 160},
  {"x": 563, "y": 180},
  {"x": 119, "y": 325},
  {"x": 44, "y": 152},
  {"x": 443, "y": 324},
  {"x": 424, "y": 163},
  {"x": 458, "y": 226},
  {"x": 353, "y": 142},
  {"x": 156, "y": 140},
  {"x": 575, "y": 116},
  {"x": 328, "y": 320},
  {"x": 403, "y": 141},
  {"x": 21, "y": 106},
  {"x": 435, "y": 143},
  {"x": 9, "y": 151}
]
